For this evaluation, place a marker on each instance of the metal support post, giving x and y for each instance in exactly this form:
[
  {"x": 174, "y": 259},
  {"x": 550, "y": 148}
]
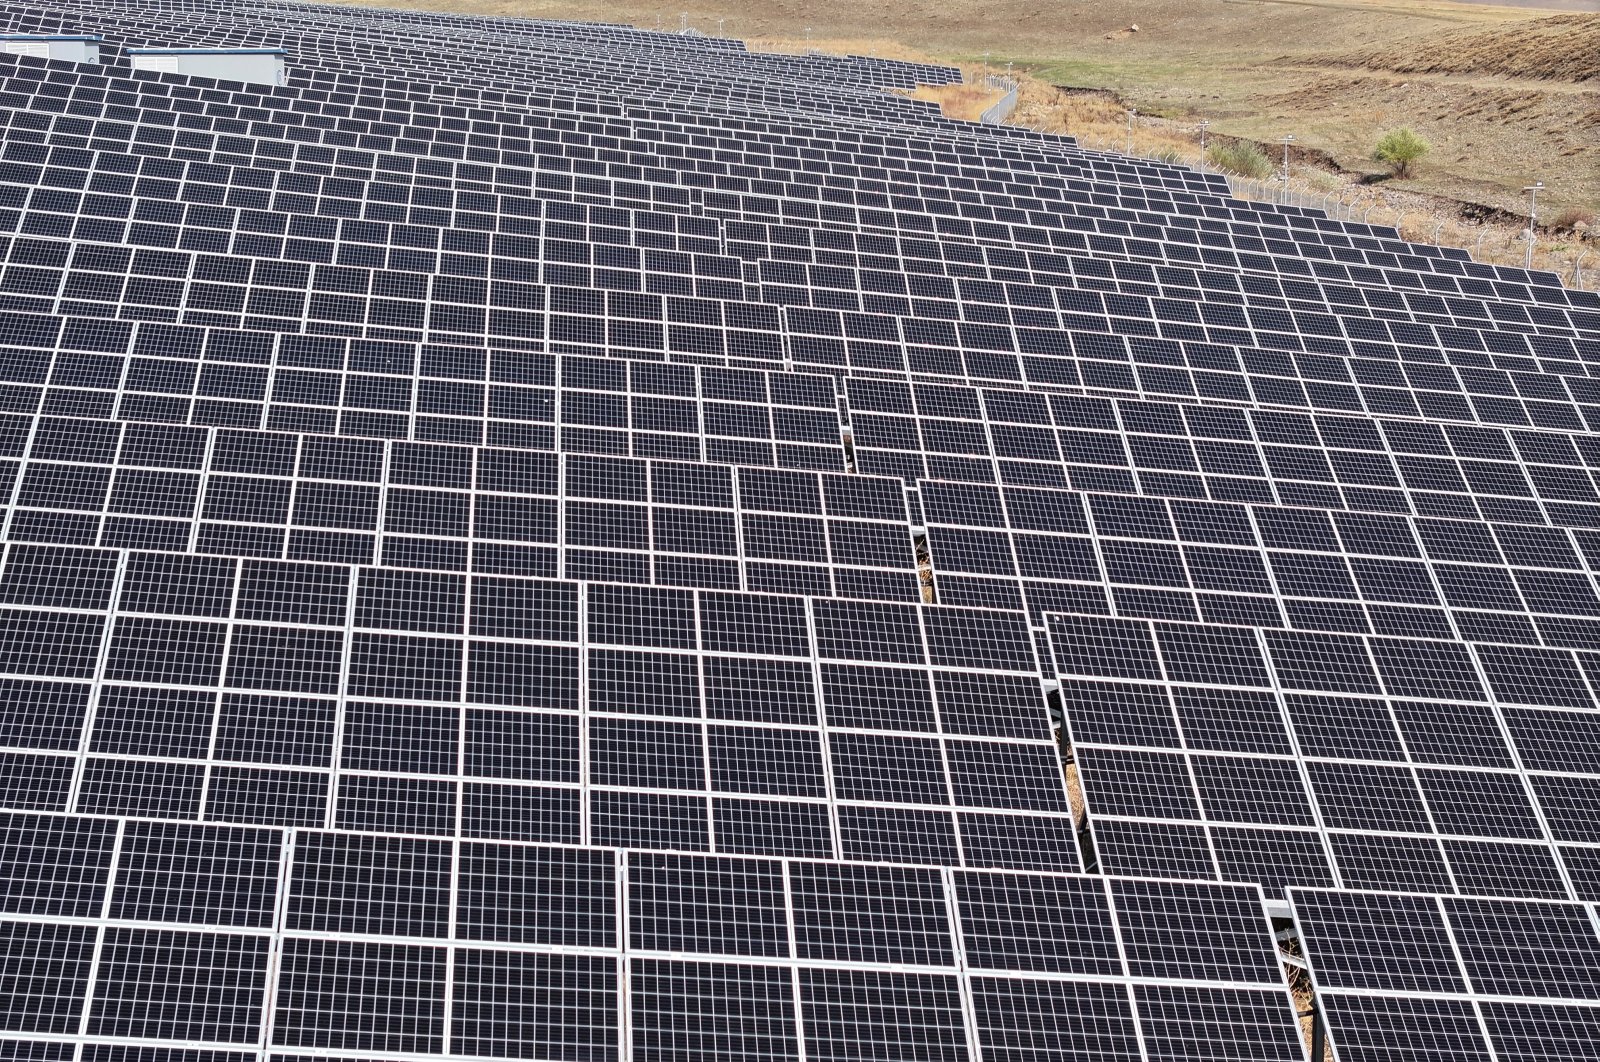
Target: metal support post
[{"x": 1533, "y": 191}]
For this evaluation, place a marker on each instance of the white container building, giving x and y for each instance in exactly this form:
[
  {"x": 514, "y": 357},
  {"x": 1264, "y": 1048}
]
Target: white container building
[
  {"x": 68, "y": 47},
  {"x": 256, "y": 66}
]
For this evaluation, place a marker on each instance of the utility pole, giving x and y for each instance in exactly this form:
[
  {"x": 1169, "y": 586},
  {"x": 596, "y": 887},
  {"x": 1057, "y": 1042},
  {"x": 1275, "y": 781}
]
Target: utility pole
[
  {"x": 1132, "y": 111},
  {"x": 1533, "y": 191},
  {"x": 1205, "y": 123},
  {"x": 1288, "y": 138}
]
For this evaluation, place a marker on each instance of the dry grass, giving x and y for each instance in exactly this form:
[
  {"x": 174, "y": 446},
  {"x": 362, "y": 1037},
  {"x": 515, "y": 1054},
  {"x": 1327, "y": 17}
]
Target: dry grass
[
  {"x": 1572, "y": 218},
  {"x": 1075, "y": 793},
  {"x": 1093, "y": 118},
  {"x": 1559, "y": 48},
  {"x": 1424, "y": 219},
  {"x": 877, "y": 47},
  {"x": 925, "y": 584},
  {"x": 1304, "y": 998},
  {"x": 965, "y": 102}
]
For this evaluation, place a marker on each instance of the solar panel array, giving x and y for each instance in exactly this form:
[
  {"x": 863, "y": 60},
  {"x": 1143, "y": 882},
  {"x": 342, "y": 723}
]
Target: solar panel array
[{"x": 551, "y": 540}]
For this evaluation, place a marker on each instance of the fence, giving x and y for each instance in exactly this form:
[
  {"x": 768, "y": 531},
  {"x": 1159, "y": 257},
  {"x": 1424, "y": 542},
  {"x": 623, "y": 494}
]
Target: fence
[
  {"x": 1002, "y": 108},
  {"x": 1276, "y": 191}
]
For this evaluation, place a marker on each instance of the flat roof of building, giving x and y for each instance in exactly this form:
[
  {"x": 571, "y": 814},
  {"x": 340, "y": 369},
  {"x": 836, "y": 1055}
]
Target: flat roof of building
[
  {"x": 50, "y": 37},
  {"x": 205, "y": 51}
]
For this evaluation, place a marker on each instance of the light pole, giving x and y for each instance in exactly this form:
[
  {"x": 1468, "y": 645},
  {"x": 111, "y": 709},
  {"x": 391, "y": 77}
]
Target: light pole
[
  {"x": 1205, "y": 123},
  {"x": 1533, "y": 191},
  {"x": 720, "y": 21},
  {"x": 1288, "y": 138},
  {"x": 1132, "y": 111}
]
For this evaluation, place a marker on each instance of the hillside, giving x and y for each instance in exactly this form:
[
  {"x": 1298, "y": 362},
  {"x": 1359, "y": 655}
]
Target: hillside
[
  {"x": 1506, "y": 96},
  {"x": 1559, "y": 48}
]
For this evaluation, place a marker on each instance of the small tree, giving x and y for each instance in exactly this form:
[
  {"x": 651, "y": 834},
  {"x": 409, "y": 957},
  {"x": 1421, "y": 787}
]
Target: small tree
[{"x": 1399, "y": 149}]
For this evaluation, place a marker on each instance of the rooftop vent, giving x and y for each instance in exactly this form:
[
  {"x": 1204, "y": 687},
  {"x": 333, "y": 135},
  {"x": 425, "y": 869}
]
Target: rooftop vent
[
  {"x": 257, "y": 66},
  {"x": 68, "y": 47}
]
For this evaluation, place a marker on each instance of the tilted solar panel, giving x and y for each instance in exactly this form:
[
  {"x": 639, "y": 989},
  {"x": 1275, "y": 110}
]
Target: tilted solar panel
[{"x": 557, "y": 540}]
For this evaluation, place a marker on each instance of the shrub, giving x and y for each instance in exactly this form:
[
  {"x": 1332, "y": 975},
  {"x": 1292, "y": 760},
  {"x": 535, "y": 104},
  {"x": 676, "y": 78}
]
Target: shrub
[
  {"x": 1399, "y": 149},
  {"x": 1240, "y": 157}
]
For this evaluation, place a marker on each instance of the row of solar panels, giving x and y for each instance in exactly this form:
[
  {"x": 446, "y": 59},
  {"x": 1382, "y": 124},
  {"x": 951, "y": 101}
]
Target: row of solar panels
[
  {"x": 479, "y": 62},
  {"x": 296, "y": 383},
  {"x": 690, "y": 320},
  {"x": 1198, "y": 561},
  {"x": 1498, "y": 816},
  {"x": 390, "y": 293},
  {"x": 1500, "y": 573},
  {"x": 480, "y": 949},
  {"x": 576, "y": 321},
  {"x": 342, "y": 27},
  {"x": 1151, "y": 227},
  {"x": 1024, "y": 290}
]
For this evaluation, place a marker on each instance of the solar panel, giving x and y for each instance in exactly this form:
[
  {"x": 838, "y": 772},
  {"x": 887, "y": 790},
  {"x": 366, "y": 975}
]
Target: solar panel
[
  {"x": 1404, "y": 975},
  {"x": 1326, "y": 742},
  {"x": 690, "y": 554}
]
